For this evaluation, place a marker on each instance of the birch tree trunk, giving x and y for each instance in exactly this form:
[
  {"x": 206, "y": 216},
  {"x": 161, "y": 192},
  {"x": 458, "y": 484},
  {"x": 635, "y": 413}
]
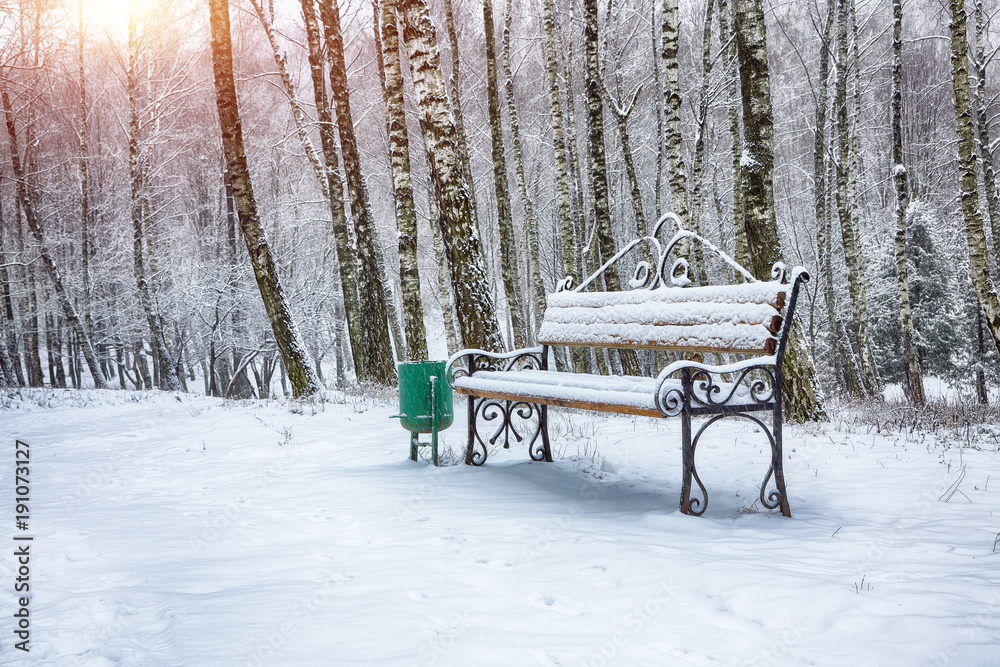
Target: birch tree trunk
[
  {"x": 301, "y": 375},
  {"x": 379, "y": 364},
  {"x": 474, "y": 302},
  {"x": 676, "y": 170},
  {"x": 802, "y": 402},
  {"x": 848, "y": 223},
  {"x": 509, "y": 265},
  {"x": 29, "y": 307},
  {"x": 697, "y": 167},
  {"x": 968, "y": 181},
  {"x": 655, "y": 41},
  {"x": 9, "y": 341},
  {"x": 843, "y": 360},
  {"x": 569, "y": 265},
  {"x": 621, "y": 111},
  {"x": 162, "y": 359},
  {"x": 399, "y": 156},
  {"x": 456, "y": 104},
  {"x": 84, "y": 172},
  {"x": 536, "y": 285},
  {"x": 914, "y": 379},
  {"x": 677, "y": 176},
  {"x": 26, "y": 200},
  {"x": 727, "y": 39},
  {"x": 445, "y": 295},
  {"x": 10, "y": 378},
  {"x": 347, "y": 260},
  {"x": 288, "y": 88},
  {"x": 979, "y": 103},
  {"x": 598, "y": 163}
]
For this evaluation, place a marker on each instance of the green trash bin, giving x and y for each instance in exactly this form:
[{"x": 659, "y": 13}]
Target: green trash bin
[{"x": 426, "y": 404}]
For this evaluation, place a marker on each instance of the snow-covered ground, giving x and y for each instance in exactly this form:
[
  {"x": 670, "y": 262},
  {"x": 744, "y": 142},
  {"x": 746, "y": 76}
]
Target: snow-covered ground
[{"x": 183, "y": 530}]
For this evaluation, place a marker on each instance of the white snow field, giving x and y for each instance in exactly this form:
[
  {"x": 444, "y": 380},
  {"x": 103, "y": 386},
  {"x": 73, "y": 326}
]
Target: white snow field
[{"x": 183, "y": 530}]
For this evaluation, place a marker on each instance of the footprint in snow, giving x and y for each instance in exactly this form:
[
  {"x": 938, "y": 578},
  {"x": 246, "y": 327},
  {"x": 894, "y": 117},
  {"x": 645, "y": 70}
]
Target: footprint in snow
[
  {"x": 559, "y": 603},
  {"x": 418, "y": 596},
  {"x": 495, "y": 564}
]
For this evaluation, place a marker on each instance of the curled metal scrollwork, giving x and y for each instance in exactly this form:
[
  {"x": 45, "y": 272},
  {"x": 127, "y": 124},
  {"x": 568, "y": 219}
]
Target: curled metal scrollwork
[
  {"x": 669, "y": 399},
  {"x": 671, "y": 272},
  {"x": 779, "y": 272},
  {"x": 513, "y": 423},
  {"x": 711, "y": 391},
  {"x": 680, "y": 273},
  {"x": 643, "y": 274},
  {"x": 776, "y": 497},
  {"x": 519, "y": 360}
]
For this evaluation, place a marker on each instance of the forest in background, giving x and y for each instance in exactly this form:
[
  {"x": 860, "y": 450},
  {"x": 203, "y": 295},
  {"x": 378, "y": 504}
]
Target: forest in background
[{"x": 113, "y": 154}]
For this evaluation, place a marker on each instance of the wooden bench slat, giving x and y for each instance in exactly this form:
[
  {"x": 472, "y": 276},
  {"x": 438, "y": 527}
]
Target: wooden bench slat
[
  {"x": 770, "y": 293},
  {"x": 602, "y": 393},
  {"x": 728, "y": 338},
  {"x": 677, "y": 314}
]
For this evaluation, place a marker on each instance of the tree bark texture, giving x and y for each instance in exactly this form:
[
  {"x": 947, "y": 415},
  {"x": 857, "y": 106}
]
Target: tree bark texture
[
  {"x": 168, "y": 379},
  {"x": 979, "y": 103},
  {"x": 697, "y": 166},
  {"x": 289, "y": 344},
  {"x": 914, "y": 378},
  {"x": 676, "y": 174},
  {"x": 341, "y": 234},
  {"x": 843, "y": 360},
  {"x": 377, "y": 358},
  {"x": 569, "y": 264},
  {"x": 84, "y": 172},
  {"x": 288, "y": 88},
  {"x": 655, "y": 41},
  {"x": 727, "y": 39},
  {"x": 967, "y": 173},
  {"x": 848, "y": 222},
  {"x": 456, "y": 104},
  {"x": 802, "y": 403},
  {"x": 406, "y": 212},
  {"x": 536, "y": 286},
  {"x": 474, "y": 302},
  {"x": 509, "y": 265},
  {"x": 621, "y": 111},
  {"x": 15, "y": 378},
  {"x": 598, "y": 163}
]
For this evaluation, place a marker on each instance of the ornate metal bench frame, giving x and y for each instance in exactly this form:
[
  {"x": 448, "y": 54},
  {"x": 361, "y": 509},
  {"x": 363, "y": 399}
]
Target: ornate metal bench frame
[{"x": 703, "y": 390}]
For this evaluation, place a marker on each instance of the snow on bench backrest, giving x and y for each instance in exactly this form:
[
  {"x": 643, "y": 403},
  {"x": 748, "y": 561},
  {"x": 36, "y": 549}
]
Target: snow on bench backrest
[{"x": 743, "y": 318}]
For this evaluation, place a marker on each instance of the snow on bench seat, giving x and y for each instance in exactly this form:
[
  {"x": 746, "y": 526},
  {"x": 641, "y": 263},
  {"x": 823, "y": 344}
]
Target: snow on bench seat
[
  {"x": 739, "y": 319},
  {"x": 603, "y": 393}
]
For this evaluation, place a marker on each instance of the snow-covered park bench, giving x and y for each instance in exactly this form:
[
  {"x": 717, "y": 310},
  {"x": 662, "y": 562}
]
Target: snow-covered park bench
[{"x": 748, "y": 322}]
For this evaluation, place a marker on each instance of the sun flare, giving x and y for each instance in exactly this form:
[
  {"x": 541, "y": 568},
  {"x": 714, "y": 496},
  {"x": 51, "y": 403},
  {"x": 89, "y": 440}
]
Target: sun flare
[{"x": 111, "y": 15}]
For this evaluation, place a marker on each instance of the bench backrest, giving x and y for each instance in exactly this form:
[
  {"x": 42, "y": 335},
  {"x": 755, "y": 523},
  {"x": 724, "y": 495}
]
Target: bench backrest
[
  {"x": 662, "y": 313},
  {"x": 742, "y": 319}
]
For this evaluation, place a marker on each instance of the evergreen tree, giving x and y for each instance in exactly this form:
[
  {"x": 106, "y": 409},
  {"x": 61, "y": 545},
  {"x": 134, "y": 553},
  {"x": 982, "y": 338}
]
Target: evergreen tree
[{"x": 941, "y": 341}]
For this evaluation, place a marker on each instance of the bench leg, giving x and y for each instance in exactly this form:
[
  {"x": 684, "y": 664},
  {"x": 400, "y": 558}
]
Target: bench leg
[
  {"x": 689, "y": 505},
  {"x": 779, "y": 497},
  {"x": 545, "y": 452},
  {"x": 544, "y": 416},
  {"x": 472, "y": 457}
]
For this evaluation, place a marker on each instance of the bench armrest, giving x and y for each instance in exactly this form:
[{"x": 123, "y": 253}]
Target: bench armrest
[
  {"x": 481, "y": 360},
  {"x": 706, "y": 387}
]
